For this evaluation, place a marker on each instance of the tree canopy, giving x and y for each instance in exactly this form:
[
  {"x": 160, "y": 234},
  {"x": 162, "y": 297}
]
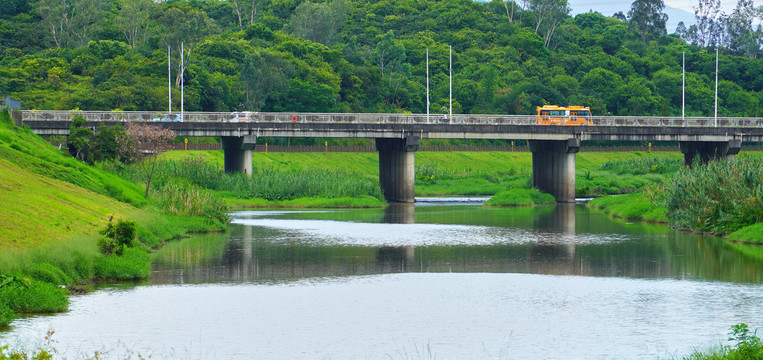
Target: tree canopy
[{"x": 370, "y": 56}]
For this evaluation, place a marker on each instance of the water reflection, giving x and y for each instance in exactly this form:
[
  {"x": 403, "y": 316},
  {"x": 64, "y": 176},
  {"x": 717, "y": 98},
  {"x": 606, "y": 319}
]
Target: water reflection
[{"x": 566, "y": 239}]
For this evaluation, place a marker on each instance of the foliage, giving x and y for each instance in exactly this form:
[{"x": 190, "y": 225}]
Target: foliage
[
  {"x": 37, "y": 297},
  {"x": 153, "y": 139},
  {"x": 520, "y": 197},
  {"x": 747, "y": 347},
  {"x": 370, "y": 56},
  {"x": 183, "y": 198},
  {"x": 635, "y": 206},
  {"x": 643, "y": 165},
  {"x": 134, "y": 264},
  {"x": 116, "y": 238},
  {"x": 705, "y": 198}
]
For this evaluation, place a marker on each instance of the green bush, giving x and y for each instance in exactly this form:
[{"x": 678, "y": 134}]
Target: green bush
[
  {"x": 49, "y": 273},
  {"x": 719, "y": 197},
  {"x": 6, "y": 315},
  {"x": 134, "y": 264},
  {"x": 34, "y": 297},
  {"x": 117, "y": 237}
]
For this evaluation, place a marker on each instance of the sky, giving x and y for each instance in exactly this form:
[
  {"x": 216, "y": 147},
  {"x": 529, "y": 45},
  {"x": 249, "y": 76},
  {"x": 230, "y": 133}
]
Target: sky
[{"x": 677, "y": 10}]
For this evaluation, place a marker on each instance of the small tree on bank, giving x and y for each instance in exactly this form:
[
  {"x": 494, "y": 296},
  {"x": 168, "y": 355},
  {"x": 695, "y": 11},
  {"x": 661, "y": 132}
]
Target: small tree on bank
[{"x": 151, "y": 140}]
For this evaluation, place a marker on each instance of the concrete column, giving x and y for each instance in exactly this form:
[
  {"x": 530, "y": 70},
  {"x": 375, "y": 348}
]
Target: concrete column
[
  {"x": 238, "y": 153},
  {"x": 554, "y": 167},
  {"x": 397, "y": 172},
  {"x": 707, "y": 150}
]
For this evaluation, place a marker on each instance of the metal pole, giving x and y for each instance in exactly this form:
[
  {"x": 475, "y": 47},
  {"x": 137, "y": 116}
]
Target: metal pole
[
  {"x": 683, "y": 85},
  {"x": 450, "y": 58},
  {"x": 169, "y": 75},
  {"x": 427, "y": 84},
  {"x": 716, "y": 86},
  {"x": 182, "y": 82}
]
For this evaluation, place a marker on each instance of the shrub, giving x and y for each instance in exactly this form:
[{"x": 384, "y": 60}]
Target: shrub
[
  {"x": 520, "y": 197},
  {"x": 6, "y": 315},
  {"x": 117, "y": 237},
  {"x": 51, "y": 274},
  {"x": 719, "y": 197},
  {"x": 132, "y": 265},
  {"x": 33, "y": 297}
]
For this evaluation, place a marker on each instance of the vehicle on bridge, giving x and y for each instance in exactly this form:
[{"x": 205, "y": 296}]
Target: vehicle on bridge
[
  {"x": 559, "y": 115},
  {"x": 168, "y": 118}
]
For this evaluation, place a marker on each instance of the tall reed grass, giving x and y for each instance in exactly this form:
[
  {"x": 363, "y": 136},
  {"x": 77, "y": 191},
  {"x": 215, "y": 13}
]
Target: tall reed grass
[
  {"x": 720, "y": 197},
  {"x": 265, "y": 183}
]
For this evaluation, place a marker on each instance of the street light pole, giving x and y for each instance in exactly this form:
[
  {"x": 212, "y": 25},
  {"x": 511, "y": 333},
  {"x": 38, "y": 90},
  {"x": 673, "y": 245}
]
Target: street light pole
[
  {"x": 182, "y": 82},
  {"x": 427, "y": 84},
  {"x": 683, "y": 85},
  {"x": 169, "y": 75},
  {"x": 450, "y": 77},
  {"x": 716, "y": 87}
]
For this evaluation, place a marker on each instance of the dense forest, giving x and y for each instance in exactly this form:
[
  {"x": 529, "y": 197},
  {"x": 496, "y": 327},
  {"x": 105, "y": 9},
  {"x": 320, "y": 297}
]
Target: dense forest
[{"x": 371, "y": 56}]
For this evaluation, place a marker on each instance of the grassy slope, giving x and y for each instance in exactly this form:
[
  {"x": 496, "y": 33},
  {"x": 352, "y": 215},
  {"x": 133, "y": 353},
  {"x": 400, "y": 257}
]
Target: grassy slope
[
  {"x": 37, "y": 210},
  {"x": 48, "y": 196}
]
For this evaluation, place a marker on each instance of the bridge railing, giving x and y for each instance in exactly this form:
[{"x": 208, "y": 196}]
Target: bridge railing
[{"x": 376, "y": 118}]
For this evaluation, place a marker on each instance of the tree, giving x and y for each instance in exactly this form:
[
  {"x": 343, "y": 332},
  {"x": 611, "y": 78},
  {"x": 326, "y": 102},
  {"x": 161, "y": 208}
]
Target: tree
[
  {"x": 152, "y": 140},
  {"x": 133, "y": 20},
  {"x": 548, "y": 15},
  {"x": 318, "y": 22},
  {"x": 80, "y": 140},
  {"x": 389, "y": 54},
  {"x": 246, "y": 11},
  {"x": 264, "y": 76},
  {"x": 742, "y": 36},
  {"x": 707, "y": 14},
  {"x": 647, "y": 19}
]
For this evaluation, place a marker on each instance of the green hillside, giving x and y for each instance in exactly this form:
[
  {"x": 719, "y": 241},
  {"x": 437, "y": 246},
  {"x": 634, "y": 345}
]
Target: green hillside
[
  {"x": 48, "y": 196},
  {"x": 371, "y": 56}
]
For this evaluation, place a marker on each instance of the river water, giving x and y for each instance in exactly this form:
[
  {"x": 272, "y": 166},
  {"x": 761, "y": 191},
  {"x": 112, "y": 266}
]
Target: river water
[{"x": 430, "y": 281}]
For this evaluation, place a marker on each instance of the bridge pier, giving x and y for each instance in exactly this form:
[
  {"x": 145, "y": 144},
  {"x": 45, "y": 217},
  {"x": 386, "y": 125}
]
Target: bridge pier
[
  {"x": 554, "y": 167},
  {"x": 237, "y": 151},
  {"x": 397, "y": 171},
  {"x": 707, "y": 150}
]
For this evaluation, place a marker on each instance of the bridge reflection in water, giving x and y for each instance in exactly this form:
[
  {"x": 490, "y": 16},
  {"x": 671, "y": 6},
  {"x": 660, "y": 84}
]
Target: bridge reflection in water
[{"x": 560, "y": 240}]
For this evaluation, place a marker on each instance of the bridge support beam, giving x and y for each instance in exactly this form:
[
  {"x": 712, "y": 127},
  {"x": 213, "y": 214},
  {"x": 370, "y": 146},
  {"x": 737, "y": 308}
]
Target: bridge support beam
[
  {"x": 707, "y": 150},
  {"x": 238, "y": 153},
  {"x": 554, "y": 167},
  {"x": 397, "y": 171}
]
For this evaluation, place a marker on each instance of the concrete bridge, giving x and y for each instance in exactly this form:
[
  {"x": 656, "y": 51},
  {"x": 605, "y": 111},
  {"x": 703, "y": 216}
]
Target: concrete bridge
[{"x": 397, "y": 137}]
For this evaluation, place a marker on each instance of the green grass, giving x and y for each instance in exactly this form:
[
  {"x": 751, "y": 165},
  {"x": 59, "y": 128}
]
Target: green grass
[
  {"x": 520, "y": 197},
  {"x": 752, "y": 234},
  {"x": 633, "y": 206},
  {"x": 133, "y": 265},
  {"x": 720, "y": 197},
  {"x": 748, "y": 346},
  {"x": 36, "y": 297}
]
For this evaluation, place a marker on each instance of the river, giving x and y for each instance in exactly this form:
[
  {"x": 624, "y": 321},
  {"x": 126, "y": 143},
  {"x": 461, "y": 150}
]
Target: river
[{"x": 430, "y": 281}]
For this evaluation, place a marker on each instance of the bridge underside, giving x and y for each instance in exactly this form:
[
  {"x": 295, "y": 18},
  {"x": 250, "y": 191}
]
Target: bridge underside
[
  {"x": 238, "y": 153},
  {"x": 554, "y": 167},
  {"x": 705, "y": 151}
]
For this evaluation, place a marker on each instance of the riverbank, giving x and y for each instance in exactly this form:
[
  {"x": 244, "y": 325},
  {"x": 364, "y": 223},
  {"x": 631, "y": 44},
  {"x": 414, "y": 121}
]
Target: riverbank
[
  {"x": 720, "y": 198},
  {"x": 54, "y": 208}
]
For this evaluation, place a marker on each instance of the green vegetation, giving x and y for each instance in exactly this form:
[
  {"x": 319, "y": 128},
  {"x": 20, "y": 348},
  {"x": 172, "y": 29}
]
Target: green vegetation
[
  {"x": 370, "y": 56},
  {"x": 520, "y": 197},
  {"x": 720, "y": 197},
  {"x": 54, "y": 208},
  {"x": 751, "y": 234},
  {"x": 747, "y": 347},
  {"x": 633, "y": 206}
]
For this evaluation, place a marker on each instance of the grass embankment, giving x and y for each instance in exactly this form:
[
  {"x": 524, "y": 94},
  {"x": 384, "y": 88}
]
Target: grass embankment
[
  {"x": 721, "y": 198},
  {"x": 53, "y": 208}
]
